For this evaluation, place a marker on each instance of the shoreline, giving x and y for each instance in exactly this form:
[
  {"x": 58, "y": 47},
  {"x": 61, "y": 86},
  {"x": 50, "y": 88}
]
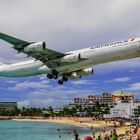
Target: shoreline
[
  {"x": 95, "y": 126},
  {"x": 80, "y": 122},
  {"x": 70, "y": 122},
  {"x": 77, "y": 121}
]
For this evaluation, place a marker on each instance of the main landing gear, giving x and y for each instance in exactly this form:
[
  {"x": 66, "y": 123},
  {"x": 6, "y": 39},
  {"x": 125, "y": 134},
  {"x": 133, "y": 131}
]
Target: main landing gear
[
  {"x": 64, "y": 79},
  {"x": 54, "y": 75},
  {"x": 60, "y": 82},
  {"x": 49, "y": 76}
]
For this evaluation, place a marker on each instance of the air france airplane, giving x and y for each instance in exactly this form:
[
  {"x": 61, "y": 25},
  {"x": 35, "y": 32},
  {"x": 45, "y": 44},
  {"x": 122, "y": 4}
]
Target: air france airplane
[{"x": 65, "y": 66}]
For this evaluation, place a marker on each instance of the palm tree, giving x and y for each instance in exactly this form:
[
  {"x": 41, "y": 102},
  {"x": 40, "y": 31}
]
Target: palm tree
[{"x": 51, "y": 110}]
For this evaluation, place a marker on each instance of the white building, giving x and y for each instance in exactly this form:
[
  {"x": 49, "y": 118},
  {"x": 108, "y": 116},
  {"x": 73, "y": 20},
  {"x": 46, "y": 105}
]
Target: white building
[
  {"x": 128, "y": 110},
  {"x": 8, "y": 105}
]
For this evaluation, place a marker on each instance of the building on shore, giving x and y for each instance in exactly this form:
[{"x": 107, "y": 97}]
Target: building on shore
[
  {"x": 122, "y": 104},
  {"x": 123, "y": 109},
  {"x": 105, "y": 98},
  {"x": 89, "y": 101},
  {"x": 122, "y": 96},
  {"x": 8, "y": 105}
]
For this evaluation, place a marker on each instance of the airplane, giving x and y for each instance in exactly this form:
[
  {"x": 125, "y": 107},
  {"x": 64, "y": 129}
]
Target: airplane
[{"x": 65, "y": 66}]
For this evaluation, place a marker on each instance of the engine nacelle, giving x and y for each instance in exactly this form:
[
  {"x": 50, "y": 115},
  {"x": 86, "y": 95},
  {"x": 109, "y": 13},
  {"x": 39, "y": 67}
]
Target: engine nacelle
[
  {"x": 39, "y": 46},
  {"x": 80, "y": 73},
  {"x": 71, "y": 58},
  {"x": 74, "y": 76},
  {"x": 84, "y": 72}
]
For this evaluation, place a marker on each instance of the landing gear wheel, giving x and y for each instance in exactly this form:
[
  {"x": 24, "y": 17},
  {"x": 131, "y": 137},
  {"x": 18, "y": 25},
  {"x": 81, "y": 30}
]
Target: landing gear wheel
[
  {"x": 49, "y": 76},
  {"x": 54, "y": 72},
  {"x": 65, "y": 79},
  {"x": 55, "y": 76},
  {"x": 60, "y": 82}
]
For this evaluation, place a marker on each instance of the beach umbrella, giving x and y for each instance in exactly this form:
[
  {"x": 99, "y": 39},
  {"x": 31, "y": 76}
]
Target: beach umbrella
[{"x": 88, "y": 138}]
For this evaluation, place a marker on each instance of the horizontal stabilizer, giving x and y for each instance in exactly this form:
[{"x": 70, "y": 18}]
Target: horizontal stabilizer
[{"x": 12, "y": 40}]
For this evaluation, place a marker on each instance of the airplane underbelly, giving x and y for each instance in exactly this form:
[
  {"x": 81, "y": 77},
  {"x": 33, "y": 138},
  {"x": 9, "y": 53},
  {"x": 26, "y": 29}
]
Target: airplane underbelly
[
  {"x": 23, "y": 71},
  {"x": 115, "y": 55},
  {"x": 101, "y": 57},
  {"x": 20, "y": 72},
  {"x": 75, "y": 66}
]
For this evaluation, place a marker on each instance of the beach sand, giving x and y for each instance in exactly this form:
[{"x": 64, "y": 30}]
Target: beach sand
[{"x": 83, "y": 122}]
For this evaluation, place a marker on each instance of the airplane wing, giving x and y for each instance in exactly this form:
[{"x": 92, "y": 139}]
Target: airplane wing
[
  {"x": 45, "y": 55},
  {"x": 12, "y": 40}
]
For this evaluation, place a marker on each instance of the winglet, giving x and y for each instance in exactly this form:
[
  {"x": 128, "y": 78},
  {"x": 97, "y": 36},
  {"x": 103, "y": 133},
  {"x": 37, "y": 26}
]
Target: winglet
[{"x": 12, "y": 40}]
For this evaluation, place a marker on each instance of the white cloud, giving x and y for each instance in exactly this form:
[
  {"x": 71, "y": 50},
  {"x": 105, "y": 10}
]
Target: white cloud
[
  {"x": 59, "y": 96},
  {"x": 132, "y": 71},
  {"x": 117, "y": 66},
  {"x": 120, "y": 79},
  {"x": 24, "y": 103},
  {"x": 79, "y": 23},
  {"x": 42, "y": 77},
  {"x": 41, "y": 102},
  {"x": 134, "y": 87},
  {"x": 28, "y": 84},
  {"x": 35, "y": 103},
  {"x": 12, "y": 81},
  {"x": 83, "y": 82}
]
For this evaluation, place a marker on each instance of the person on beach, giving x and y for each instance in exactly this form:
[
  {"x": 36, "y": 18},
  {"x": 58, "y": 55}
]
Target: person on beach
[
  {"x": 98, "y": 138},
  {"x": 114, "y": 135},
  {"x": 110, "y": 134},
  {"x": 76, "y": 136},
  {"x": 93, "y": 134},
  {"x": 136, "y": 134},
  {"x": 106, "y": 137},
  {"x": 115, "y": 125},
  {"x": 104, "y": 129},
  {"x": 88, "y": 138}
]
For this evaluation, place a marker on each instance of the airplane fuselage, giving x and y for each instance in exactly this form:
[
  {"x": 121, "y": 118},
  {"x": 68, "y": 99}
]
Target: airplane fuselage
[{"x": 91, "y": 56}]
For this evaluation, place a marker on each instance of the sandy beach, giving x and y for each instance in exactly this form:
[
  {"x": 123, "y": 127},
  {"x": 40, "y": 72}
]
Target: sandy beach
[{"x": 83, "y": 122}]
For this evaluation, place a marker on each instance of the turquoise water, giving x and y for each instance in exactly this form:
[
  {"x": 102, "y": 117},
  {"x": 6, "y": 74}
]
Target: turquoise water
[{"x": 13, "y": 130}]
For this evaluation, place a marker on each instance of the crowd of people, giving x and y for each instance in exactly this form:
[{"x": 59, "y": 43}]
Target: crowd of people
[
  {"x": 103, "y": 136},
  {"x": 135, "y": 135},
  {"x": 113, "y": 136}
]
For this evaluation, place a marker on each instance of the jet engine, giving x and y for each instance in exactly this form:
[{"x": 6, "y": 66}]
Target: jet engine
[
  {"x": 71, "y": 58},
  {"x": 39, "y": 46},
  {"x": 74, "y": 76},
  {"x": 80, "y": 73},
  {"x": 84, "y": 72}
]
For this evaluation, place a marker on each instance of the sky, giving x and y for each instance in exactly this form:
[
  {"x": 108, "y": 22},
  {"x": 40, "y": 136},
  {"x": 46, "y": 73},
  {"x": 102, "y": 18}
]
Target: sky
[{"x": 67, "y": 25}]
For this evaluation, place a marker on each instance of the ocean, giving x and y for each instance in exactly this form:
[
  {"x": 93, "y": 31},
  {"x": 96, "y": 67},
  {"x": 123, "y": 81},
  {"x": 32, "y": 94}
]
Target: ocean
[{"x": 16, "y": 130}]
